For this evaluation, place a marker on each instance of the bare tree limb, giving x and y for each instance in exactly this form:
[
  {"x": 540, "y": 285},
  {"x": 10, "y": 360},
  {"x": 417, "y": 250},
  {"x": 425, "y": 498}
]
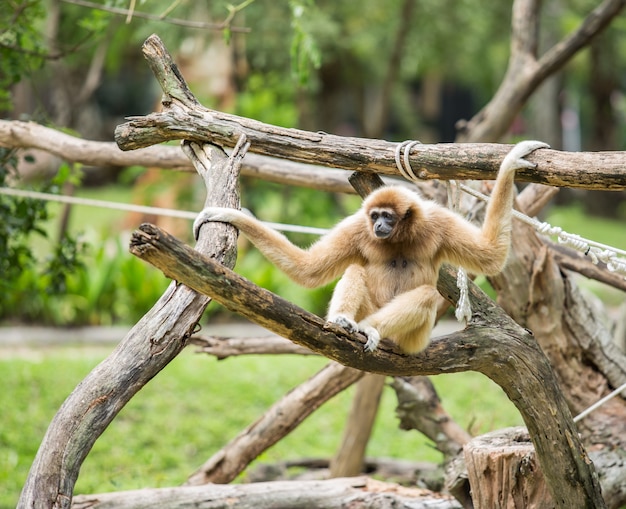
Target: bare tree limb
[
  {"x": 223, "y": 348},
  {"x": 478, "y": 161},
  {"x": 282, "y": 418},
  {"x": 330, "y": 494},
  {"x": 493, "y": 344},
  {"x": 148, "y": 347}
]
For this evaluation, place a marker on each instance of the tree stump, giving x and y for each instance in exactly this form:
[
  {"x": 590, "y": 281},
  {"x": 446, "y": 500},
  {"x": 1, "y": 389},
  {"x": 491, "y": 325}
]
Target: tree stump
[{"x": 504, "y": 472}]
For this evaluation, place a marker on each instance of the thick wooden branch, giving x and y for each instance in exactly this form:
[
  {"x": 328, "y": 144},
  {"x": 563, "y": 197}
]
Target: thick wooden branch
[
  {"x": 223, "y": 348},
  {"x": 493, "y": 344},
  {"x": 282, "y": 418},
  {"x": 588, "y": 170},
  {"x": 330, "y": 494},
  {"x": 149, "y": 346}
]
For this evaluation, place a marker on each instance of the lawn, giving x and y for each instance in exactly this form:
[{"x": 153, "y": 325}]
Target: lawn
[{"x": 194, "y": 406}]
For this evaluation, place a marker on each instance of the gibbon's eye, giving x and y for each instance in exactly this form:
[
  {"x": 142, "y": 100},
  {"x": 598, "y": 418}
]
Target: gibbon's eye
[
  {"x": 387, "y": 216},
  {"x": 374, "y": 216}
]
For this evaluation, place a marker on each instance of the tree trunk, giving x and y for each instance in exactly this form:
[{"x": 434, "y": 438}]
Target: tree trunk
[
  {"x": 349, "y": 459},
  {"x": 504, "y": 472}
]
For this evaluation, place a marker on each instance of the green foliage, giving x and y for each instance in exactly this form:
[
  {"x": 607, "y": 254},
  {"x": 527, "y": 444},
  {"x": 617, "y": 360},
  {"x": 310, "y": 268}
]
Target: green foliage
[
  {"x": 268, "y": 98},
  {"x": 305, "y": 53},
  {"x": 195, "y": 406},
  {"x": 27, "y": 283},
  {"x": 21, "y": 44}
]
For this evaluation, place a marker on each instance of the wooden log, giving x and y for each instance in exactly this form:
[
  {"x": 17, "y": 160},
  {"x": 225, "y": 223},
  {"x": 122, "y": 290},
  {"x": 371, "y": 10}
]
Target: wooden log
[
  {"x": 330, "y": 494},
  {"x": 349, "y": 459},
  {"x": 283, "y": 417},
  {"x": 223, "y": 348},
  {"x": 504, "y": 472}
]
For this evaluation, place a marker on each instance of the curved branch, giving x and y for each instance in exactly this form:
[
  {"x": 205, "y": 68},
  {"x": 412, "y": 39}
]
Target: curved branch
[{"x": 493, "y": 345}]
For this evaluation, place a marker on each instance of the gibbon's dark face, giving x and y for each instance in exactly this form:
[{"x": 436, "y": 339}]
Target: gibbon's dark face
[{"x": 384, "y": 221}]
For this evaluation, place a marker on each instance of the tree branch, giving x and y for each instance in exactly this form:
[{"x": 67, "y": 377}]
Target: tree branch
[
  {"x": 597, "y": 170},
  {"x": 493, "y": 344},
  {"x": 330, "y": 494},
  {"x": 525, "y": 72}
]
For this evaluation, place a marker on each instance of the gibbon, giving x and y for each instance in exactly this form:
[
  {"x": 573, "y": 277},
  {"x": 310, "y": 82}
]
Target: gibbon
[{"x": 389, "y": 253}]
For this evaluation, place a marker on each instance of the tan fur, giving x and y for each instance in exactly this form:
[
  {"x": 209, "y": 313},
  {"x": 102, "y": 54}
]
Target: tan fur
[{"x": 389, "y": 285}]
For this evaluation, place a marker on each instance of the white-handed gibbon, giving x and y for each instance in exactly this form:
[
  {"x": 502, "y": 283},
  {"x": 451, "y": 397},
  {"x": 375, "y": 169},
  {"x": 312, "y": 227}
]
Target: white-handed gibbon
[{"x": 389, "y": 253}]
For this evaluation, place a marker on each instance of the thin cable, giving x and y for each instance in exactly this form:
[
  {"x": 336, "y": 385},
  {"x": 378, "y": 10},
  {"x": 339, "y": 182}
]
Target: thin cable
[
  {"x": 599, "y": 403},
  {"x": 143, "y": 209}
]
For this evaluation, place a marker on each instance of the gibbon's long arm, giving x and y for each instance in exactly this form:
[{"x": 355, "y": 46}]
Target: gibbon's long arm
[
  {"x": 485, "y": 250},
  {"x": 323, "y": 262}
]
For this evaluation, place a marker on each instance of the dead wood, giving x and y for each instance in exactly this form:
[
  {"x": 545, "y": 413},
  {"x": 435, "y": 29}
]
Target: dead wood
[
  {"x": 493, "y": 344},
  {"x": 330, "y": 494},
  {"x": 543, "y": 297},
  {"x": 148, "y": 347},
  {"x": 282, "y": 418},
  {"x": 222, "y": 348},
  {"x": 445, "y": 161},
  {"x": 421, "y": 474},
  {"x": 503, "y": 471}
]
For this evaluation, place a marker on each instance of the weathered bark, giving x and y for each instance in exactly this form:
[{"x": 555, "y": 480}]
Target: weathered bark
[
  {"x": 541, "y": 296},
  {"x": 504, "y": 472},
  {"x": 282, "y": 418},
  {"x": 492, "y": 344},
  {"x": 331, "y": 494},
  {"x": 154, "y": 341},
  {"x": 419, "y": 408},
  {"x": 148, "y": 347},
  {"x": 223, "y": 348},
  {"x": 30, "y": 135},
  {"x": 438, "y": 161}
]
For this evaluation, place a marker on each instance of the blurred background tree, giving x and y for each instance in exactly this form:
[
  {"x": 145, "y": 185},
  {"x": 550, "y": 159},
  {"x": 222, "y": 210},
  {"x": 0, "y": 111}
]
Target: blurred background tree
[{"x": 399, "y": 69}]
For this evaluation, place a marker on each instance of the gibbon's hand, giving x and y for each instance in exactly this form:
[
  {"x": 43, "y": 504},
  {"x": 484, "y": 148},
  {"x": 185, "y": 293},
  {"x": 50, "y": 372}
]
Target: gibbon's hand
[
  {"x": 345, "y": 322},
  {"x": 372, "y": 335},
  {"x": 216, "y": 215}
]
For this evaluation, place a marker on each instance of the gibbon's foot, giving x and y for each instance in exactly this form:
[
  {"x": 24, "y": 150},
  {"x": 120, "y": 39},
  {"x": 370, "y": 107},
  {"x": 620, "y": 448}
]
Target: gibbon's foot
[
  {"x": 515, "y": 158},
  {"x": 373, "y": 337},
  {"x": 345, "y": 322}
]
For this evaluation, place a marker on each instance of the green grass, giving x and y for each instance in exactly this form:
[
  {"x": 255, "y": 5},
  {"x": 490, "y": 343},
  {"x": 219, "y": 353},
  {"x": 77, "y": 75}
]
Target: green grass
[{"x": 195, "y": 406}]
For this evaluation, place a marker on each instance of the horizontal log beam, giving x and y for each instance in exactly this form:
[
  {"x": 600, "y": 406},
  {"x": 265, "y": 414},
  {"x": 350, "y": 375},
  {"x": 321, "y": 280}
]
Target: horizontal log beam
[{"x": 445, "y": 161}]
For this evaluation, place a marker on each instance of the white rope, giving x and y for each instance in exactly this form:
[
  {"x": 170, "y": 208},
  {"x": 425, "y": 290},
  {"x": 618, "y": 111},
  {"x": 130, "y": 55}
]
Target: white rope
[
  {"x": 599, "y": 403},
  {"x": 402, "y": 162},
  {"x": 597, "y": 251},
  {"x": 143, "y": 209}
]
